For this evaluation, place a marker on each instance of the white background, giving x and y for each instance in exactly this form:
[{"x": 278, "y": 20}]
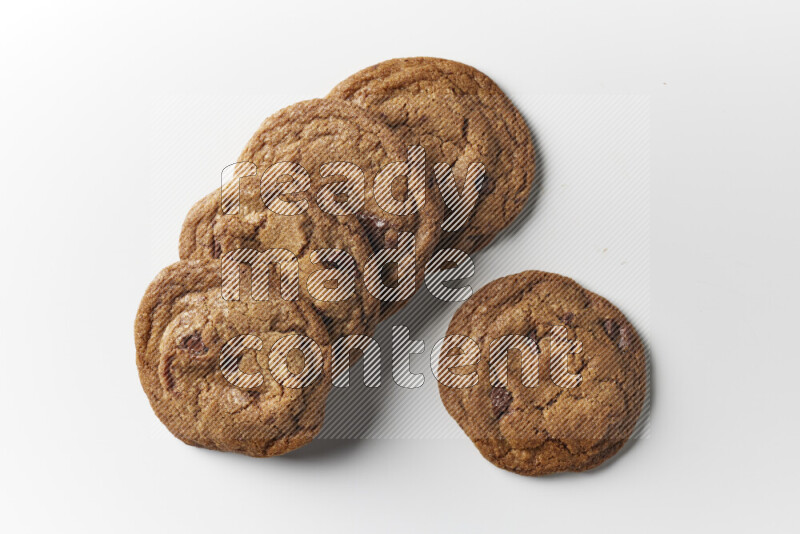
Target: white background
[{"x": 83, "y": 87}]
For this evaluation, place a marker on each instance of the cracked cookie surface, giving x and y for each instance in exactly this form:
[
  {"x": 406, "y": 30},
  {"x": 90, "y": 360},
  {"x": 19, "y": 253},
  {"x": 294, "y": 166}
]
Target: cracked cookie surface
[
  {"x": 209, "y": 233},
  {"x": 181, "y": 327},
  {"x": 583, "y": 404},
  {"x": 460, "y": 116},
  {"x": 316, "y": 132}
]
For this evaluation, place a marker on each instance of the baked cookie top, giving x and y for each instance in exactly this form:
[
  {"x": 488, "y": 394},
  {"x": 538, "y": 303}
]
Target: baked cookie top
[
  {"x": 190, "y": 343},
  {"x": 571, "y": 395},
  {"x": 460, "y": 116},
  {"x": 323, "y": 277},
  {"x": 322, "y": 131}
]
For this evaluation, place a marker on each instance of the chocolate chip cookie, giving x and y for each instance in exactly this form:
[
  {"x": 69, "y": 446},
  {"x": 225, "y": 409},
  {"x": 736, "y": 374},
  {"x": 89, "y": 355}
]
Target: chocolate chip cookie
[
  {"x": 233, "y": 375},
  {"x": 332, "y": 140},
  {"x": 330, "y": 281},
  {"x": 555, "y": 381},
  {"x": 460, "y": 116}
]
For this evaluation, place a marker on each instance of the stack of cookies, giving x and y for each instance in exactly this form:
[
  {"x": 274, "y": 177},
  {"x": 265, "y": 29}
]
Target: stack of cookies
[{"x": 417, "y": 154}]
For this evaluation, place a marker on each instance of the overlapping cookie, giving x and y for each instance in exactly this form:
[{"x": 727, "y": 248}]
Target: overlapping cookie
[
  {"x": 321, "y": 257},
  {"x": 460, "y": 116},
  {"x": 307, "y": 159},
  {"x": 232, "y": 375}
]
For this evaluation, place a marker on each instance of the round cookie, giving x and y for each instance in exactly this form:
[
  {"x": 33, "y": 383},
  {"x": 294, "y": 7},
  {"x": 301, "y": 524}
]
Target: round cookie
[
  {"x": 460, "y": 116},
  {"x": 583, "y": 404},
  {"x": 316, "y": 132},
  {"x": 209, "y": 233},
  {"x": 184, "y": 328}
]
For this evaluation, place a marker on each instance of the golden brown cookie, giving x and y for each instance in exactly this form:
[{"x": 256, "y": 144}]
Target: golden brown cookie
[
  {"x": 187, "y": 335},
  {"x": 318, "y": 132},
  {"x": 209, "y": 233},
  {"x": 563, "y": 394},
  {"x": 460, "y": 116}
]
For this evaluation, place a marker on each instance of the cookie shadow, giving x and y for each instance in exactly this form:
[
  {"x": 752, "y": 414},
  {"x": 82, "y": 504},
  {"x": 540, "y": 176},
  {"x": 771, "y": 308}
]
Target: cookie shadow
[
  {"x": 321, "y": 449},
  {"x": 353, "y": 412}
]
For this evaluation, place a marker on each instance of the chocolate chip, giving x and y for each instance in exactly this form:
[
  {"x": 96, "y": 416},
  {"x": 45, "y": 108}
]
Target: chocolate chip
[
  {"x": 194, "y": 344},
  {"x": 216, "y": 250},
  {"x": 376, "y": 229},
  {"x": 501, "y": 400},
  {"x": 567, "y": 318},
  {"x": 534, "y": 333}
]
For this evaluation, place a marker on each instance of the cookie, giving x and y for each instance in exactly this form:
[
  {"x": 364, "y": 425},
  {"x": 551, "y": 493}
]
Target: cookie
[
  {"x": 322, "y": 131},
  {"x": 564, "y": 394},
  {"x": 345, "y": 308},
  {"x": 460, "y": 116},
  {"x": 214, "y": 388}
]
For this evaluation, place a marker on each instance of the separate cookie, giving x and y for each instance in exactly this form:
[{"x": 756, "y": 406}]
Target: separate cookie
[
  {"x": 564, "y": 394},
  {"x": 331, "y": 281},
  {"x": 349, "y": 140},
  {"x": 460, "y": 116},
  {"x": 187, "y": 335}
]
